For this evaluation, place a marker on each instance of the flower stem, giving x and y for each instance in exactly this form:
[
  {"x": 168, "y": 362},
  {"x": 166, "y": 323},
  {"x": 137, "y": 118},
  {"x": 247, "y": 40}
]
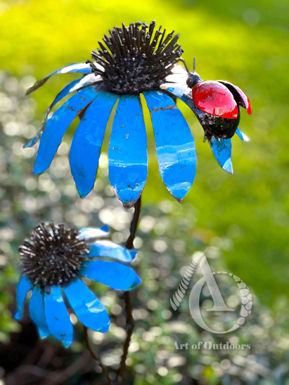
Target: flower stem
[
  {"x": 133, "y": 224},
  {"x": 96, "y": 358},
  {"x": 127, "y": 297}
]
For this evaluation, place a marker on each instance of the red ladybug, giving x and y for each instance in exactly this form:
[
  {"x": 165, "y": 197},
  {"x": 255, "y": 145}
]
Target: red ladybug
[{"x": 216, "y": 105}]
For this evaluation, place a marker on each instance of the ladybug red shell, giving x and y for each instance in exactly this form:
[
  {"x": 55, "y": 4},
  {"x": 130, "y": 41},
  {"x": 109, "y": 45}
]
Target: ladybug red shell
[
  {"x": 216, "y": 105},
  {"x": 215, "y": 99}
]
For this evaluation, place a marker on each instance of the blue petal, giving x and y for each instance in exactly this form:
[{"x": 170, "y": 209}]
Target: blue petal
[
  {"x": 89, "y": 310},
  {"x": 36, "y": 310},
  {"x": 128, "y": 151},
  {"x": 57, "y": 317},
  {"x": 93, "y": 232},
  {"x": 179, "y": 91},
  {"x": 35, "y": 138},
  {"x": 184, "y": 93},
  {"x": 105, "y": 228},
  {"x": 174, "y": 143},
  {"x": 87, "y": 142},
  {"x": 113, "y": 274},
  {"x": 57, "y": 125},
  {"x": 111, "y": 250},
  {"x": 71, "y": 87},
  {"x": 242, "y": 136},
  {"x": 23, "y": 287},
  {"x": 83, "y": 68},
  {"x": 222, "y": 149}
]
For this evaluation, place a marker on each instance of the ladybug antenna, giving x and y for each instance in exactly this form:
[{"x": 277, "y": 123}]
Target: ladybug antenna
[
  {"x": 193, "y": 77},
  {"x": 184, "y": 63}
]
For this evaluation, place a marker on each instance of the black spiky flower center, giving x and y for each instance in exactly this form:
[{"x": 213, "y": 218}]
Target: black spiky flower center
[
  {"x": 53, "y": 255},
  {"x": 136, "y": 58}
]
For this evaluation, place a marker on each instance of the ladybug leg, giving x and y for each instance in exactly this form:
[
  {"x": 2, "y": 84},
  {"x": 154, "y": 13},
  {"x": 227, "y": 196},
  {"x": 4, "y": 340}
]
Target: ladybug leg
[
  {"x": 211, "y": 138},
  {"x": 184, "y": 63},
  {"x": 92, "y": 65}
]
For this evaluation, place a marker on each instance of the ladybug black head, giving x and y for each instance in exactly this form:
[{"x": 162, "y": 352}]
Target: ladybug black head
[{"x": 193, "y": 77}]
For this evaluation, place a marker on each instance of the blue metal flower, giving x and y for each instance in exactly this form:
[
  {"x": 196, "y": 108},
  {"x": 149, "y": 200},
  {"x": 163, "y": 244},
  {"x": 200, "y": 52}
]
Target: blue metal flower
[
  {"x": 53, "y": 261},
  {"x": 130, "y": 61}
]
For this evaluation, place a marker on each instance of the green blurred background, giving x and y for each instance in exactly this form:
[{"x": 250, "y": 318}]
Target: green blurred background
[{"x": 245, "y": 216}]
